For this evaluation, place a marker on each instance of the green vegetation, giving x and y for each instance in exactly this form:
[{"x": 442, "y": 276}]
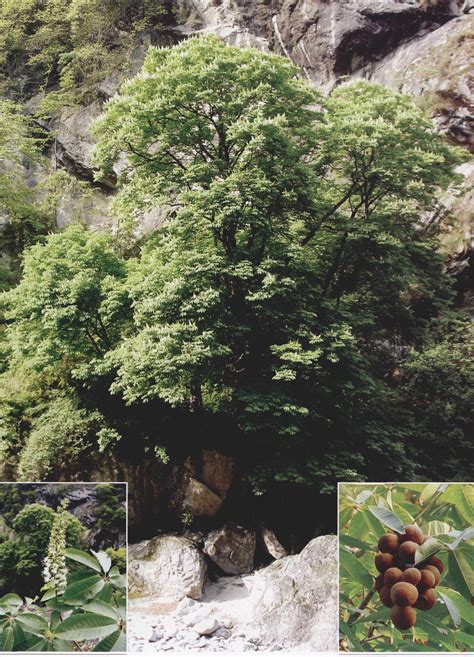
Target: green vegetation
[
  {"x": 433, "y": 524},
  {"x": 75, "y": 43},
  {"x": 291, "y": 306},
  {"x": 111, "y": 511},
  {"x": 21, "y": 558},
  {"x": 88, "y": 614}
]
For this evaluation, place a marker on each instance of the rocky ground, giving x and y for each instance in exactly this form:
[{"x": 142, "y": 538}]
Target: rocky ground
[
  {"x": 289, "y": 604},
  {"x": 217, "y": 623}
]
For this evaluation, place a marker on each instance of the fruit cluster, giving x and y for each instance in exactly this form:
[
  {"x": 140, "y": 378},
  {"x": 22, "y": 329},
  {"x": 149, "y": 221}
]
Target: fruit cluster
[{"x": 402, "y": 585}]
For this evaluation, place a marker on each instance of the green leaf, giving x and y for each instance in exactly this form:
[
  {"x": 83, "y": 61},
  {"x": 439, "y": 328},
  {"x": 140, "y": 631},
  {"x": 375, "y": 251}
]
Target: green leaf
[
  {"x": 33, "y": 622},
  {"x": 428, "y": 491},
  {"x": 11, "y": 600},
  {"x": 116, "y": 642},
  {"x": 83, "y": 590},
  {"x": 464, "y": 606},
  {"x": 465, "y": 535},
  {"x": 387, "y": 518},
  {"x": 104, "y": 560},
  {"x": 83, "y": 557},
  {"x": 345, "y": 539},
  {"x": 454, "y": 578},
  {"x": 466, "y": 570},
  {"x": 86, "y": 626},
  {"x": 99, "y": 607},
  {"x": 59, "y": 605},
  {"x": 350, "y": 634},
  {"x": 461, "y": 496},
  {"x": 451, "y": 607},
  {"x": 38, "y": 646},
  {"x": 429, "y": 547},
  {"x": 435, "y": 528},
  {"x": 7, "y": 640},
  {"x": 356, "y": 569},
  {"x": 363, "y": 496}
]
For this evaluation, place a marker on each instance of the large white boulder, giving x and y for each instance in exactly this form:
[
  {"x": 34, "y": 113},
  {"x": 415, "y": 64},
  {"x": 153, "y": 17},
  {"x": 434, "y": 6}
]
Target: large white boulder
[
  {"x": 169, "y": 567},
  {"x": 294, "y": 600}
]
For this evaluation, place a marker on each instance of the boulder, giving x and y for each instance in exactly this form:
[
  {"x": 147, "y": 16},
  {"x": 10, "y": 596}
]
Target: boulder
[
  {"x": 232, "y": 548},
  {"x": 294, "y": 600},
  {"x": 217, "y": 471},
  {"x": 272, "y": 545},
  {"x": 166, "y": 566},
  {"x": 199, "y": 500}
]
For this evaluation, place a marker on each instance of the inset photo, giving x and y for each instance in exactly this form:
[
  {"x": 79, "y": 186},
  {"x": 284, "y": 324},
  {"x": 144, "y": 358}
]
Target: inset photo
[
  {"x": 406, "y": 555},
  {"x": 63, "y": 560}
]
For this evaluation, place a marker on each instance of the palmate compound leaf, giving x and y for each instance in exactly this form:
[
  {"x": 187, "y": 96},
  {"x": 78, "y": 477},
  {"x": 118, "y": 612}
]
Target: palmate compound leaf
[
  {"x": 387, "y": 518},
  {"x": 81, "y": 627},
  {"x": 83, "y": 557},
  {"x": 429, "y": 547},
  {"x": 116, "y": 642}
]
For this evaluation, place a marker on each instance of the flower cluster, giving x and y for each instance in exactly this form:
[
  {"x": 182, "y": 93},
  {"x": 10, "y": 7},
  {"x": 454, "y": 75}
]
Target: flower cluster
[{"x": 55, "y": 570}]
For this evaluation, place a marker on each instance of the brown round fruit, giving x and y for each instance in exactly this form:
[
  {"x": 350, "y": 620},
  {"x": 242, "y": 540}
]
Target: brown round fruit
[
  {"x": 407, "y": 551},
  {"x": 412, "y": 576},
  {"x": 378, "y": 584},
  {"x": 403, "y": 617},
  {"x": 404, "y": 594},
  {"x": 392, "y": 576},
  {"x": 384, "y": 561},
  {"x": 414, "y": 534},
  {"x": 389, "y": 543},
  {"x": 437, "y": 563},
  {"x": 384, "y": 595},
  {"x": 435, "y": 572},
  {"x": 426, "y": 600},
  {"x": 427, "y": 581}
]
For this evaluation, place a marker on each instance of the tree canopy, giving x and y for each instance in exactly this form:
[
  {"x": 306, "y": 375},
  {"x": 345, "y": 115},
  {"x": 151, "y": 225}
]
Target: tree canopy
[{"x": 292, "y": 279}]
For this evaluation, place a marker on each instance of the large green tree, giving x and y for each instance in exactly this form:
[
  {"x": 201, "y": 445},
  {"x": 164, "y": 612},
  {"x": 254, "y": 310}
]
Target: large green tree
[
  {"x": 293, "y": 257},
  {"x": 292, "y": 273}
]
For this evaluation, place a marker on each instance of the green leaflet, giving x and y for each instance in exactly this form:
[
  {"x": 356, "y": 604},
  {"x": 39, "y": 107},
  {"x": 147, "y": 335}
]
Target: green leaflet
[
  {"x": 116, "y": 642},
  {"x": 451, "y": 607},
  {"x": 387, "y": 518},
  {"x": 32, "y": 622},
  {"x": 465, "y": 569},
  {"x": 99, "y": 607},
  {"x": 356, "y": 569},
  {"x": 465, "y": 609},
  {"x": 83, "y": 557},
  {"x": 345, "y": 539},
  {"x": 83, "y": 590},
  {"x": 85, "y": 626},
  {"x": 429, "y": 547},
  {"x": 435, "y": 528}
]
